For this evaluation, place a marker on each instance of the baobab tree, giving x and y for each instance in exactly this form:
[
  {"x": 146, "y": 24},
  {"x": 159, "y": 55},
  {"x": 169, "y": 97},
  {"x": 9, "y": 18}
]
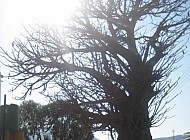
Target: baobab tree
[{"x": 111, "y": 63}]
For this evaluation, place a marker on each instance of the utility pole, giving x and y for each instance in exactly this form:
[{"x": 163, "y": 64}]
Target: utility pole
[
  {"x": 173, "y": 131},
  {"x": 1, "y": 76},
  {"x": 4, "y": 118}
]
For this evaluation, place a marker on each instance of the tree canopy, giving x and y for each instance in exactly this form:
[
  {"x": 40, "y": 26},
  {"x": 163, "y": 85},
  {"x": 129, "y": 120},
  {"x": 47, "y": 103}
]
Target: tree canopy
[
  {"x": 111, "y": 63},
  {"x": 30, "y": 118},
  {"x": 45, "y": 121}
]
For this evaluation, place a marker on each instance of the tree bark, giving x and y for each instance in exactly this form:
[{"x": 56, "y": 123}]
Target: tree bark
[
  {"x": 130, "y": 131},
  {"x": 126, "y": 134},
  {"x": 135, "y": 123}
]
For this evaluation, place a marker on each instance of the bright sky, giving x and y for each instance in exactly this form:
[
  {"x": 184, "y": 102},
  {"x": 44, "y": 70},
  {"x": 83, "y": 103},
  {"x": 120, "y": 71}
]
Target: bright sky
[{"x": 14, "y": 13}]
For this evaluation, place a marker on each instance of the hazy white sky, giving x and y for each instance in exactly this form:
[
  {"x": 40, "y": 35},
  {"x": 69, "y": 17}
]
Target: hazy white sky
[{"x": 14, "y": 13}]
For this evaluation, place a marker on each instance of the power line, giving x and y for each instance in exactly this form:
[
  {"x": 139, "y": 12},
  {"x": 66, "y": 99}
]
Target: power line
[{"x": 183, "y": 80}]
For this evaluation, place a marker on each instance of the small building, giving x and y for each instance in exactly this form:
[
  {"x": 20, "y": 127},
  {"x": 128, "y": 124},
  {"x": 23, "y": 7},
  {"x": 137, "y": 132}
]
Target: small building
[{"x": 9, "y": 123}]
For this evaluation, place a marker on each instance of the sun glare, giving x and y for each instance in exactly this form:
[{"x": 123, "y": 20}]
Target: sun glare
[{"x": 43, "y": 11}]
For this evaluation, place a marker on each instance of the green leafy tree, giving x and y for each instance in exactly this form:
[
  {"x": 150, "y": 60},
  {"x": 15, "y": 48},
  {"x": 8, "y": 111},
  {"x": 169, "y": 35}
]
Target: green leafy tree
[
  {"x": 29, "y": 116},
  {"x": 111, "y": 63},
  {"x": 65, "y": 126},
  {"x": 37, "y": 120}
]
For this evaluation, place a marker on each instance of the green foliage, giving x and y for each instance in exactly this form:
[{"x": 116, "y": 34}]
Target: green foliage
[
  {"x": 36, "y": 120},
  {"x": 29, "y": 117}
]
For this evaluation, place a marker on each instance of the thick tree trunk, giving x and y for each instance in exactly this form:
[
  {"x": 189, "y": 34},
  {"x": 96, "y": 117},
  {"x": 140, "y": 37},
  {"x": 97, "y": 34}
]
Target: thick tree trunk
[
  {"x": 135, "y": 124},
  {"x": 126, "y": 134}
]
